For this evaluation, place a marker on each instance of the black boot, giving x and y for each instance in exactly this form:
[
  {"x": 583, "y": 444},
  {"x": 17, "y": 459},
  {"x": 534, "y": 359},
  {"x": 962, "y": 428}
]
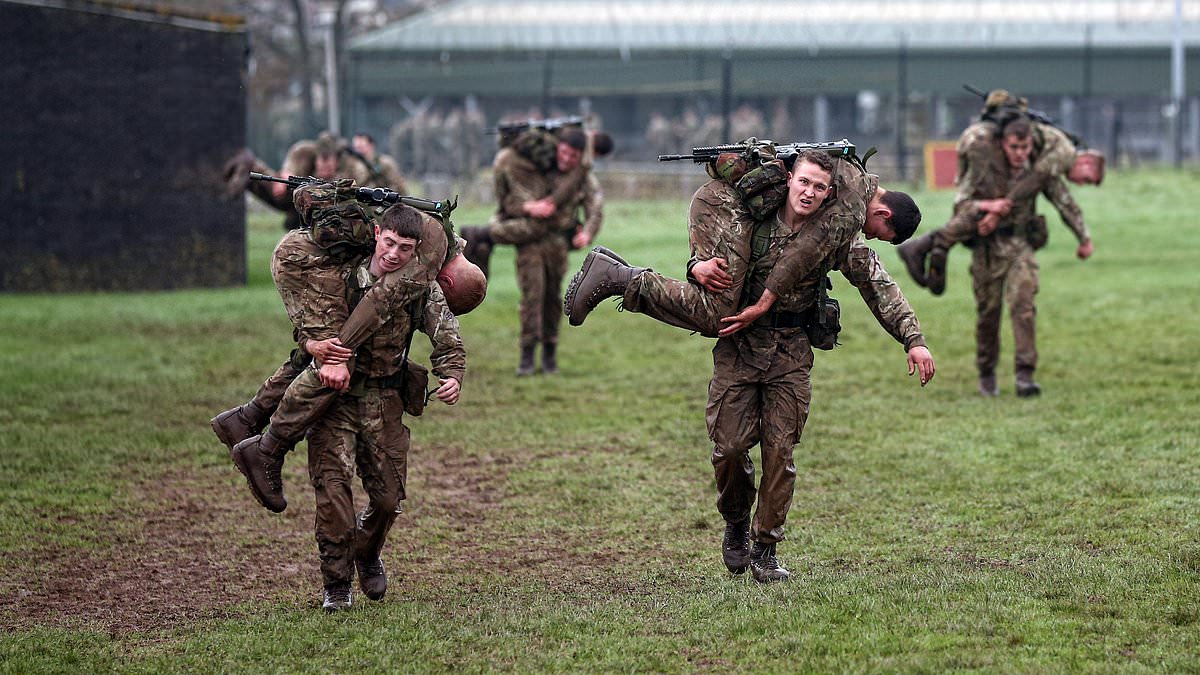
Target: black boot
[
  {"x": 765, "y": 566},
  {"x": 735, "y": 548},
  {"x": 600, "y": 277},
  {"x": 1026, "y": 387},
  {"x": 549, "y": 358},
  {"x": 937, "y": 270},
  {"x": 237, "y": 424},
  {"x": 260, "y": 459},
  {"x": 913, "y": 252},
  {"x": 337, "y": 597},
  {"x": 371, "y": 577},
  {"x": 526, "y": 367},
  {"x": 479, "y": 246},
  {"x": 987, "y": 385}
]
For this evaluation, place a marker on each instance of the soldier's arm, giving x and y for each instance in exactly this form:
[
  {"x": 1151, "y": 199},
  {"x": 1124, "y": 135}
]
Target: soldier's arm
[
  {"x": 862, "y": 268},
  {"x": 593, "y": 206},
  {"x": 1056, "y": 191},
  {"x": 449, "y": 356},
  {"x": 392, "y": 176},
  {"x": 1054, "y": 160}
]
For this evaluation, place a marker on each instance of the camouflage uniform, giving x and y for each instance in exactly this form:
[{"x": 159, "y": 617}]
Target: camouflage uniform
[
  {"x": 720, "y": 226},
  {"x": 980, "y": 156},
  {"x": 363, "y": 429},
  {"x": 301, "y": 160},
  {"x": 385, "y": 172},
  {"x": 761, "y": 386}
]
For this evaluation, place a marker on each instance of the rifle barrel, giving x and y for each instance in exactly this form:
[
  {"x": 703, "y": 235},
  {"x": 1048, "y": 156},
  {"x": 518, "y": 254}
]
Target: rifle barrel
[{"x": 254, "y": 175}]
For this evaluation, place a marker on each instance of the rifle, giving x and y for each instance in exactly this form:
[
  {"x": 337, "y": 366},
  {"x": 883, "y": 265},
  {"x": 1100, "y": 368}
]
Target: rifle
[
  {"x": 552, "y": 124},
  {"x": 843, "y": 148},
  {"x": 372, "y": 195},
  {"x": 1035, "y": 115}
]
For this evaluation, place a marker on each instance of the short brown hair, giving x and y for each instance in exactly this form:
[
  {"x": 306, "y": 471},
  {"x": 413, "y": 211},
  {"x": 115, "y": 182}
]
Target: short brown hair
[
  {"x": 404, "y": 220},
  {"x": 821, "y": 159},
  {"x": 1018, "y": 126}
]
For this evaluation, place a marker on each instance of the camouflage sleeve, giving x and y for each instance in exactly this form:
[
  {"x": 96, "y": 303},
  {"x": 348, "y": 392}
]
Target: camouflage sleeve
[
  {"x": 449, "y": 356},
  {"x": 593, "y": 205},
  {"x": 391, "y": 175},
  {"x": 301, "y": 159},
  {"x": 1056, "y": 191},
  {"x": 312, "y": 286},
  {"x": 1055, "y": 157},
  {"x": 516, "y": 181},
  {"x": 568, "y": 185},
  {"x": 976, "y": 154},
  {"x": 839, "y": 223},
  {"x": 862, "y": 267}
]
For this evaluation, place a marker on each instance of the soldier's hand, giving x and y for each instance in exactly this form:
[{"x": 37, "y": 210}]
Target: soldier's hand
[
  {"x": 541, "y": 208},
  {"x": 921, "y": 361},
  {"x": 988, "y": 224},
  {"x": 336, "y": 377},
  {"x": 712, "y": 274},
  {"x": 328, "y": 352},
  {"x": 581, "y": 239},
  {"x": 749, "y": 315},
  {"x": 448, "y": 392},
  {"x": 1085, "y": 250}
]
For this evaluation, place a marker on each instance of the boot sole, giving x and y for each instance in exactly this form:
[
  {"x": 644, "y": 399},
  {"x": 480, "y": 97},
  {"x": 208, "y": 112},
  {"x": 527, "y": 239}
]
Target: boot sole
[
  {"x": 240, "y": 460},
  {"x": 573, "y": 288}
]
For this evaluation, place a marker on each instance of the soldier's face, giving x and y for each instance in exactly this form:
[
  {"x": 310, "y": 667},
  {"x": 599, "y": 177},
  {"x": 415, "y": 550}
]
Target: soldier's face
[
  {"x": 1016, "y": 150},
  {"x": 1085, "y": 171},
  {"x": 391, "y": 251},
  {"x": 326, "y": 167},
  {"x": 567, "y": 157},
  {"x": 363, "y": 146},
  {"x": 808, "y": 185}
]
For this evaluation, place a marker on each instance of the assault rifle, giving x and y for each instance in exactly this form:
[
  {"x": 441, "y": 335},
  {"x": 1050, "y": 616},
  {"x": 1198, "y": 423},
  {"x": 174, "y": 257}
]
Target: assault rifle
[
  {"x": 1036, "y": 116},
  {"x": 843, "y": 148},
  {"x": 372, "y": 195},
  {"x": 552, "y": 124}
]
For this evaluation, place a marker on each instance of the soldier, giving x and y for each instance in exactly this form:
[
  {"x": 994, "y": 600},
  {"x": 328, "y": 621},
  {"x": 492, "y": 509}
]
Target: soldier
[
  {"x": 384, "y": 171},
  {"x": 309, "y": 267},
  {"x": 1002, "y": 256},
  {"x": 761, "y": 388},
  {"x": 541, "y": 184},
  {"x": 1054, "y": 155},
  {"x": 364, "y": 427}
]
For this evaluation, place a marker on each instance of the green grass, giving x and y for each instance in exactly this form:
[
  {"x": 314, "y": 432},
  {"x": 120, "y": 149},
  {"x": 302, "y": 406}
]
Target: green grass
[{"x": 932, "y": 529}]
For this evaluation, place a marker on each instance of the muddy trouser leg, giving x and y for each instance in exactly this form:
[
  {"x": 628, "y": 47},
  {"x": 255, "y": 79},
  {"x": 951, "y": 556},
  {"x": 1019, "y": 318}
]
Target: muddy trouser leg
[
  {"x": 787, "y": 393},
  {"x": 1022, "y": 284},
  {"x": 304, "y": 402},
  {"x": 383, "y": 465},
  {"x": 531, "y": 280},
  {"x": 331, "y": 450},
  {"x": 517, "y": 231},
  {"x": 683, "y": 304},
  {"x": 732, "y": 416},
  {"x": 987, "y": 273},
  {"x": 271, "y": 392},
  {"x": 555, "y": 268}
]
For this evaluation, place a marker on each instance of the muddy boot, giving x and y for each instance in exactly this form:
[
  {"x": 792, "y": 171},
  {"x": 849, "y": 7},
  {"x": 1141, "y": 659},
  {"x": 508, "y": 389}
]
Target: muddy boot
[
  {"x": 987, "y": 385},
  {"x": 600, "y": 277},
  {"x": 371, "y": 578},
  {"x": 936, "y": 278},
  {"x": 765, "y": 566},
  {"x": 913, "y": 252},
  {"x": 549, "y": 358},
  {"x": 479, "y": 246},
  {"x": 526, "y": 367},
  {"x": 237, "y": 424},
  {"x": 337, "y": 597},
  {"x": 260, "y": 459},
  {"x": 735, "y": 547},
  {"x": 1026, "y": 387}
]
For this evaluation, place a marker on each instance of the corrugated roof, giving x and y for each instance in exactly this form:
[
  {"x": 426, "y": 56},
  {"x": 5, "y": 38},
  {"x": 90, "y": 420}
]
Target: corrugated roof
[{"x": 595, "y": 25}]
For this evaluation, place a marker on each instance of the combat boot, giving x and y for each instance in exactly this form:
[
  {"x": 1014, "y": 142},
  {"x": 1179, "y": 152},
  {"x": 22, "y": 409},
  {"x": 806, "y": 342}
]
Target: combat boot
[
  {"x": 988, "y": 386},
  {"x": 610, "y": 253},
  {"x": 765, "y": 566},
  {"x": 735, "y": 548},
  {"x": 479, "y": 246},
  {"x": 526, "y": 367},
  {"x": 550, "y": 358},
  {"x": 600, "y": 277},
  {"x": 935, "y": 279},
  {"x": 371, "y": 577},
  {"x": 1026, "y": 387},
  {"x": 237, "y": 424},
  {"x": 913, "y": 252},
  {"x": 260, "y": 459},
  {"x": 337, "y": 597}
]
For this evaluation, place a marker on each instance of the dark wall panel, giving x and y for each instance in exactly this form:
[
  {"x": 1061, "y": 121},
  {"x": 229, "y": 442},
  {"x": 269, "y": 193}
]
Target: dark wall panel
[{"x": 114, "y": 134}]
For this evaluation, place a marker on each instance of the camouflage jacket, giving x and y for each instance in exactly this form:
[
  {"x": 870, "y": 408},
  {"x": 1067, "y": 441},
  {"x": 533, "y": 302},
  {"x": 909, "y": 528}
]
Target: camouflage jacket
[
  {"x": 382, "y": 355},
  {"x": 516, "y": 180}
]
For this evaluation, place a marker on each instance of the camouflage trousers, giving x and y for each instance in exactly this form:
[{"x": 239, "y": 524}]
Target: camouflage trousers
[
  {"x": 999, "y": 265},
  {"x": 363, "y": 433},
  {"x": 540, "y": 269},
  {"x": 961, "y": 228},
  {"x": 713, "y": 232},
  {"x": 518, "y": 231},
  {"x": 312, "y": 285},
  {"x": 767, "y": 407}
]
